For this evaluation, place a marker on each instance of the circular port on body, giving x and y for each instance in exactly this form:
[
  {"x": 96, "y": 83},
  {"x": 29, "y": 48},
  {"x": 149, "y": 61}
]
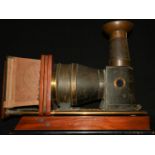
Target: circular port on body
[{"x": 119, "y": 83}]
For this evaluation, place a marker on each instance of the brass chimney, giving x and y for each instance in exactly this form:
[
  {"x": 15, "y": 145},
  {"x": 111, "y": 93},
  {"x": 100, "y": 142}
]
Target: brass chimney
[{"x": 119, "y": 51}]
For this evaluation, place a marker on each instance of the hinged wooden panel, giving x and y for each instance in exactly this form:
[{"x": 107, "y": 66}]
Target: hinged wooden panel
[{"x": 22, "y": 82}]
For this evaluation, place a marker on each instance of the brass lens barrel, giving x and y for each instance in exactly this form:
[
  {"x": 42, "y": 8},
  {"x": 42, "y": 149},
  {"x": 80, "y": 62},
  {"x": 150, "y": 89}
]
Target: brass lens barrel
[{"x": 76, "y": 84}]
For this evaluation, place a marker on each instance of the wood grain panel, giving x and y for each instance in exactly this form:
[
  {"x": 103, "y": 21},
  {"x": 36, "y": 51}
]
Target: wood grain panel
[
  {"x": 84, "y": 123},
  {"x": 22, "y": 82}
]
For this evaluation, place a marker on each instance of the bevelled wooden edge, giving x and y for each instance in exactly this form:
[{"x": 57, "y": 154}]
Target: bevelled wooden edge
[
  {"x": 41, "y": 95},
  {"x": 49, "y": 77},
  {"x": 84, "y": 123},
  {"x": 45, "y": 85}
]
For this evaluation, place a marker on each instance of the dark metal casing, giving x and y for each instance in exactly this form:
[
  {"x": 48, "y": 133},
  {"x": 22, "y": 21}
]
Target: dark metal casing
[{"x": 119, "y": 89}]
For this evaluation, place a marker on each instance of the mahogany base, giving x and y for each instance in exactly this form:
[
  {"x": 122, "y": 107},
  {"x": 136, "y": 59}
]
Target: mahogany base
[{"x": 84, "y": 123}]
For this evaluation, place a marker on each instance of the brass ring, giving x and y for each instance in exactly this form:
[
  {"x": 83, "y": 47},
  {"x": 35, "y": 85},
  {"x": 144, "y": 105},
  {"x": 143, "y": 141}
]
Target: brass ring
[{"x": 123, "y": 84}]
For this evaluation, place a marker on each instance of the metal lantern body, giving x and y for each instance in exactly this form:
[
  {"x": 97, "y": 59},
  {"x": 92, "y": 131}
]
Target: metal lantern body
[{"x": 65, "y": 88}]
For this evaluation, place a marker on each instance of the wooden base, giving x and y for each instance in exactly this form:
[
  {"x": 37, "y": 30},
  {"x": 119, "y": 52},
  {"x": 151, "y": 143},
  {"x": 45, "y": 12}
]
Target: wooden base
[{"x": 84, "y": 123}]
